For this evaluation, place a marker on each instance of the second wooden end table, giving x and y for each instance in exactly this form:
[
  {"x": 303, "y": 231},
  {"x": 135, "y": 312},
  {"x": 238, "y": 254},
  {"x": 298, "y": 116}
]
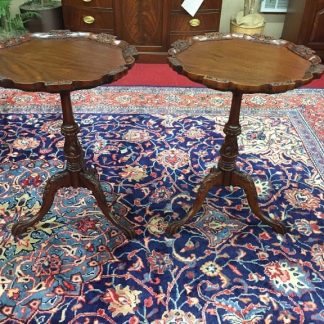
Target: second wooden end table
[
  {"x": 240, "y": 64},
  {"x": 60, "y": 62}
]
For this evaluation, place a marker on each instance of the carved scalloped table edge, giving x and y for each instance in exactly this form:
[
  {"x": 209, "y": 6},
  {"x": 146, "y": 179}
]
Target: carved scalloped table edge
[
  {"x": 129, "y": 53},
  {"x": 315, "y": 70}
]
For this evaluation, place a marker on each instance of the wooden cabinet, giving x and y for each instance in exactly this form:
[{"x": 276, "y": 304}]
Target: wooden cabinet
[
  {"x": 95, "y": 15},
  {"x": 304, "y": 24},
  {"x": 142, "y": 23},
  {"x": 150, "y": 25}
]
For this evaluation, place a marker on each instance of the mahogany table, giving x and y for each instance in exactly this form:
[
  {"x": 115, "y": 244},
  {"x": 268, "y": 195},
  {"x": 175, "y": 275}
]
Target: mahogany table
[
  {"x": 60, "y": 62},
  {"x": 240, "y": 64}
]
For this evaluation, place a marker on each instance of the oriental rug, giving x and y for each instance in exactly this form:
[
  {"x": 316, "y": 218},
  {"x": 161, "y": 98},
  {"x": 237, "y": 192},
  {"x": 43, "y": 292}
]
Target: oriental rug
[{"x": 152, "y": 147}]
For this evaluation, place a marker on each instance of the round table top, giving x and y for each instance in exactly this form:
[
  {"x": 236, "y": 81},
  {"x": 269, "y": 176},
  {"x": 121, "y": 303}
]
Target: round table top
[
  {"x": 243, "y": 63},
  {"x": 63, "y": 61}
]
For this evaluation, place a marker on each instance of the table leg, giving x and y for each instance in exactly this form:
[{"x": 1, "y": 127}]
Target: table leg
[
  {"x": 75, "y": 175},
  {"x": 226, "y": 174}
]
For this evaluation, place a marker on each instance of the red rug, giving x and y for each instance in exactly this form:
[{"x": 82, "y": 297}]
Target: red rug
[
  {"x": 161, "y": 75},
  {"x": 152, "y": 147}
]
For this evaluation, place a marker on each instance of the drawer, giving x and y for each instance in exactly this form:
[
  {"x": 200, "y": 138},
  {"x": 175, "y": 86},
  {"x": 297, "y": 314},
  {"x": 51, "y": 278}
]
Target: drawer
[
  {"x": 207, "y": 4},
  {"x": 74, "y": 18},
  {"x": 86, "y": 3},
  {"x": 208, "y": 21}
]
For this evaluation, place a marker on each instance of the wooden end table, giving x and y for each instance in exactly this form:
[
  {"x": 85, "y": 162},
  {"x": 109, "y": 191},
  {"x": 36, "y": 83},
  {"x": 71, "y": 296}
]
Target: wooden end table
[
  {"x": 240, "y": 64},
  {"x": 60, "y": 62}
]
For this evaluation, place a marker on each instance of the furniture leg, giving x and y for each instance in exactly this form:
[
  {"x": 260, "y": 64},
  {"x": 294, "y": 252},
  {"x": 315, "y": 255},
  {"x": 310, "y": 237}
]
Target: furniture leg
[
  {"x": 245, "y": 181},
  {"x": 89, "y": 179},
  {"x": 214, "y": 178},
  {"x": 75, "y": 175},
  {"x": 226, "y": 174},
  {"x": 56, "y": 182}
]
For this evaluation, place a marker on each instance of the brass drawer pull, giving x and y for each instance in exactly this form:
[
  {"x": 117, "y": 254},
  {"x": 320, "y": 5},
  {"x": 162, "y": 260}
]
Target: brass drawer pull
[
  {"x": 194, "y": 22},
  {"x": 87, "y": 0},
  {"x": 88, "y": 19}
]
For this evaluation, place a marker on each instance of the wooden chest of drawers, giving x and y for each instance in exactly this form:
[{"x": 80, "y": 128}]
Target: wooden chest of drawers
[{"x": 151, "y": 25}]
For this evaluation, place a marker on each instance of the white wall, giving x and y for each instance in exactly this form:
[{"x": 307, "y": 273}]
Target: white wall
[{"x": 274, "y": 22}]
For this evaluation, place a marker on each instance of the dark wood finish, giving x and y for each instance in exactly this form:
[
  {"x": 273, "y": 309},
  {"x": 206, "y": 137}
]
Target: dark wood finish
[
  {"x": 75, "y": 17},
  {"x": 241, "y": 64},
  {"x": 304, "y": 24},
  {"x": 93, "y": 3},
  {"x": 181, "y": 27},
  {"x": 205, "y": 59},
  {"x": 209, "y": 21},
  {"x": 177, "y": 36},
  {"x": 143, "y": 23},
  {"x": 78, "y": 60},
  {"x": 150, "y": 25},
  {"x": 207, "y": 4}
]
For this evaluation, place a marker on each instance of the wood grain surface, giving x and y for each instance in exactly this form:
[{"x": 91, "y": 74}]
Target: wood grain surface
[
  {"x": 244, "y": 63},
  {"x": 141, "y": 21},
  {"x": 67, "y": 62}
]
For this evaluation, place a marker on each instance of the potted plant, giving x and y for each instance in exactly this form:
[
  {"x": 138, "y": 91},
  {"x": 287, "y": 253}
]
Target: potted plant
[
  {"x": 11, "y": 25},
  {"x": 48, "y": 15}
]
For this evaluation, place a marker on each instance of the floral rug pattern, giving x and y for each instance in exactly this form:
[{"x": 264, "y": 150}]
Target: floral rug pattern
[{"x": 152, "y": 147}]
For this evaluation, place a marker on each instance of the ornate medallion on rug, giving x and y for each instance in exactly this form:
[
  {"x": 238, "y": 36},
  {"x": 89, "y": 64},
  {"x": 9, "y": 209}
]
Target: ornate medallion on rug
[{"x": 152, "y": 147}]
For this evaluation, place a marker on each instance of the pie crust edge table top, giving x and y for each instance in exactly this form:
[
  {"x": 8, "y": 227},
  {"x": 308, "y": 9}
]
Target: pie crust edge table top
[
  {"x": 39, "y": 75},
  {"x": 63, "y": 61},
  {"x": 244, "y": 63}
]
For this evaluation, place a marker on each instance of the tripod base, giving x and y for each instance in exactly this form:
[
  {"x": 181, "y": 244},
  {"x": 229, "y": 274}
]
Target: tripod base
[
  {"x": 235, "y": 178},
  {"x": 84, "y": 178}
]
